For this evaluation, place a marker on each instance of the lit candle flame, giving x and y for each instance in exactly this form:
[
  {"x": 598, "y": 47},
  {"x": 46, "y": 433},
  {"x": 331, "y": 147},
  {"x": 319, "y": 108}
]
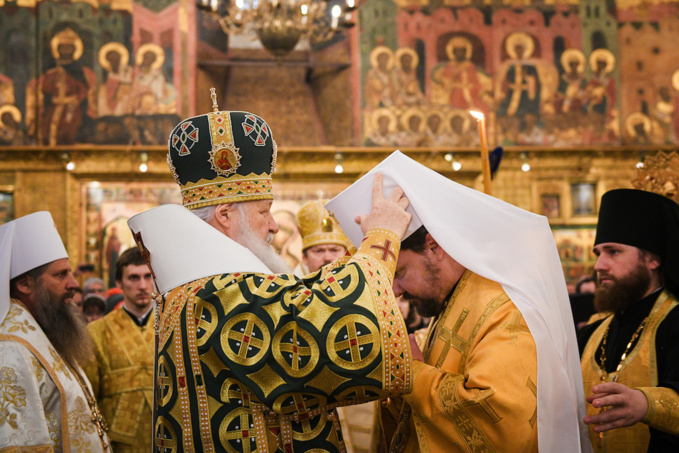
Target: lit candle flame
[{"x": 476, "y": 114}]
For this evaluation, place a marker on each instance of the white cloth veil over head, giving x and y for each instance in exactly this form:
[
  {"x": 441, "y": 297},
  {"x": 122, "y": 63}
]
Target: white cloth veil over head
[
  {"x": 183, "y": 248},
  {"x": 505, "y": 244}
]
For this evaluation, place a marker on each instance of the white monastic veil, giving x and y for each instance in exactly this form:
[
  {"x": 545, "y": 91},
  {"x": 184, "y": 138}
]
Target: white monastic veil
[
  {"x": 183, "y": 248},
  {"x": 510, "y": 246},
  {"x": 26, "y": 243}
]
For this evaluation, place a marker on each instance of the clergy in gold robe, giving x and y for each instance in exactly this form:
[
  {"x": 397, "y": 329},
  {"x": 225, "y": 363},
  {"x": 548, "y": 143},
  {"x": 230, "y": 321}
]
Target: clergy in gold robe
[
  {"x": 461, "y": 399},
  {"x": 46, "y": 402},
  {"x": 500, "y": 354},
  {"x": 122, "y": 370},
  {"x": 630, "y": 359},
  {"x": 250, "y": 357}
]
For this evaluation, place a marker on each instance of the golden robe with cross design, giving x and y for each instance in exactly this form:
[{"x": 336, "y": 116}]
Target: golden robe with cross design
[
  {"x": 43, "y": 407},
  {"x": 256, "y": 362},
  {"x": 122, "y": 379},
  {"x": 638, "y": 371},
  {"x": 476, "y": 392}
]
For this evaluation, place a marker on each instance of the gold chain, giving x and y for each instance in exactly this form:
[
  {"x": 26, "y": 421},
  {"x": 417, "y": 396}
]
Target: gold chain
[
  {"x": 97, "y": 417},
  {"x": 604, "y": 374}
]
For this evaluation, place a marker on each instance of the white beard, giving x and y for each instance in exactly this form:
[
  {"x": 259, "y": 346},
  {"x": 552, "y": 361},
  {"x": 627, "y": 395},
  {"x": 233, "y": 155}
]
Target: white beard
[{"x": 260, "y": 248}]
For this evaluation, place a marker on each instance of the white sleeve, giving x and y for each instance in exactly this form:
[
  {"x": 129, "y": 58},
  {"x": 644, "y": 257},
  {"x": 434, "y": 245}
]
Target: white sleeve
[{"x": 29, "y": 401}]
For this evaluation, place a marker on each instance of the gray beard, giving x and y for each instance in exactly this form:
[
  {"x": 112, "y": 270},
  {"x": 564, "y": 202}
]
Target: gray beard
[
  {"x": 64, "y": 327},
  {"x": 260, "y": 248},
  {"x": 622, "y": 293}
]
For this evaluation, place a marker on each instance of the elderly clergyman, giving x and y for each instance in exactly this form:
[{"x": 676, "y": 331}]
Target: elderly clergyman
[
  {"x": 46, "y": 401},
  {"x": 499, "y": 369},
  {"x": 247, "y": 358}
]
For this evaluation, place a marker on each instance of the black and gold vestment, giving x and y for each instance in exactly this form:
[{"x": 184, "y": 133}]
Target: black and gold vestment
[{"x": 255, "y": 362}]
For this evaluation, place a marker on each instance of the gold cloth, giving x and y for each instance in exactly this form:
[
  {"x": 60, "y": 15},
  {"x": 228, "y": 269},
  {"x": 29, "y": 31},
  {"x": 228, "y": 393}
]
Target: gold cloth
[
  {"x": 638, "y": 371},
  {"x": 256, "y": 361},
  {"x": 122, "y": 379},
  {"x": 477, "y": 390}
]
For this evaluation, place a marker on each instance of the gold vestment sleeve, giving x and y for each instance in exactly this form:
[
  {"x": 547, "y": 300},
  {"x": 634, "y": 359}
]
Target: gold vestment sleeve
[
  {"x": 663, "y": 409},
  {"x": 384, "y": 246}
]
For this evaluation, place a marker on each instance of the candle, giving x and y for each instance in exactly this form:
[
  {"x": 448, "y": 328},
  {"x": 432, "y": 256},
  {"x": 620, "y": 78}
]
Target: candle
[
  {"x": 335, "y": 13},
  {"x": 485, "y": 163}
]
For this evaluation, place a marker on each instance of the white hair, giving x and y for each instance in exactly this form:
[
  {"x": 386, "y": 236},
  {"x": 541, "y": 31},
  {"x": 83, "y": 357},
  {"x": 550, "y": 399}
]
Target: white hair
[
  {"x": 261, "y": 248},
  {"x": 206, "y": 213},
  {"x": 248, "y": 238}
]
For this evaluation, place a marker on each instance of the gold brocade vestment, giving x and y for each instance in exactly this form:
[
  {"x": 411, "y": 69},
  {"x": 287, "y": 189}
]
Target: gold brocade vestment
[
  {"x": 122, "y": 379},
  {"x": 256, "y": 362},
  {"x": 477, "y": 390},
  {"x": 639, "y": 370}
]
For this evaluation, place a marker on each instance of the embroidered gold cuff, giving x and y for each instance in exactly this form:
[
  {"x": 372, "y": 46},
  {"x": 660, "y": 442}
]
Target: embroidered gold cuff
[
  {"x": 377, "y": 257},
  {"x": 383, "y": 245},
  {"x": 663, "y": 409}
]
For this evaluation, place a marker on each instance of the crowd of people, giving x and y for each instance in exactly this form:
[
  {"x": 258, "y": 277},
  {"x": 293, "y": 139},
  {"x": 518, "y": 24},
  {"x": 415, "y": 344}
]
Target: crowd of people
[{"x": 245, "y": 354}]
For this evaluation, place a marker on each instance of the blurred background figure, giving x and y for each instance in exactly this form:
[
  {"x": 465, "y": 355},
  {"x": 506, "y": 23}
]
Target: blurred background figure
[
  {"x": 94, "y": 285},
  {"x": 322, "y": 239},
  {"x": 93, "y": 307},
  {"x": 114, "y": 299},
  {"x": 83, "y": 272},
  {"x": 586, "y": 284},
  {"x": 78, "y": 298},
  {"x": 122, "y": 372},
  {"x": 582, "y": 301},
  {"x": 414, "y": 321}
]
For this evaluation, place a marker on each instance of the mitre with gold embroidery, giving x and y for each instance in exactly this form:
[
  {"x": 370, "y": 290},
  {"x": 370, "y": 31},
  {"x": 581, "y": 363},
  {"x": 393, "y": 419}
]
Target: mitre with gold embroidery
[
  {"x": 222, "y": 157},
  {"x": 317, "y": 226}
]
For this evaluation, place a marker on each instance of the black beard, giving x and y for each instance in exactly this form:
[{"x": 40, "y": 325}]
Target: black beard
[
  {"x": 427, "y": 307},
  {"x": 64, "y": 326},
  {"x": 622, "y": 293}
]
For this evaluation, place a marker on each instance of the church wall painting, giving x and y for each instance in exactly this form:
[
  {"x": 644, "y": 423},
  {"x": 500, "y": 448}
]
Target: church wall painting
[
  {"x": 94, "y": 73},
  {"x": 570, "y": 74}
]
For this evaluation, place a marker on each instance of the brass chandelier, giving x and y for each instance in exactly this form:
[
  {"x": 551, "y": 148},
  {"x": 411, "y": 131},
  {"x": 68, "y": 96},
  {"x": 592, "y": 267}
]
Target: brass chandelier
[{"x": 281, "y": 24}]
